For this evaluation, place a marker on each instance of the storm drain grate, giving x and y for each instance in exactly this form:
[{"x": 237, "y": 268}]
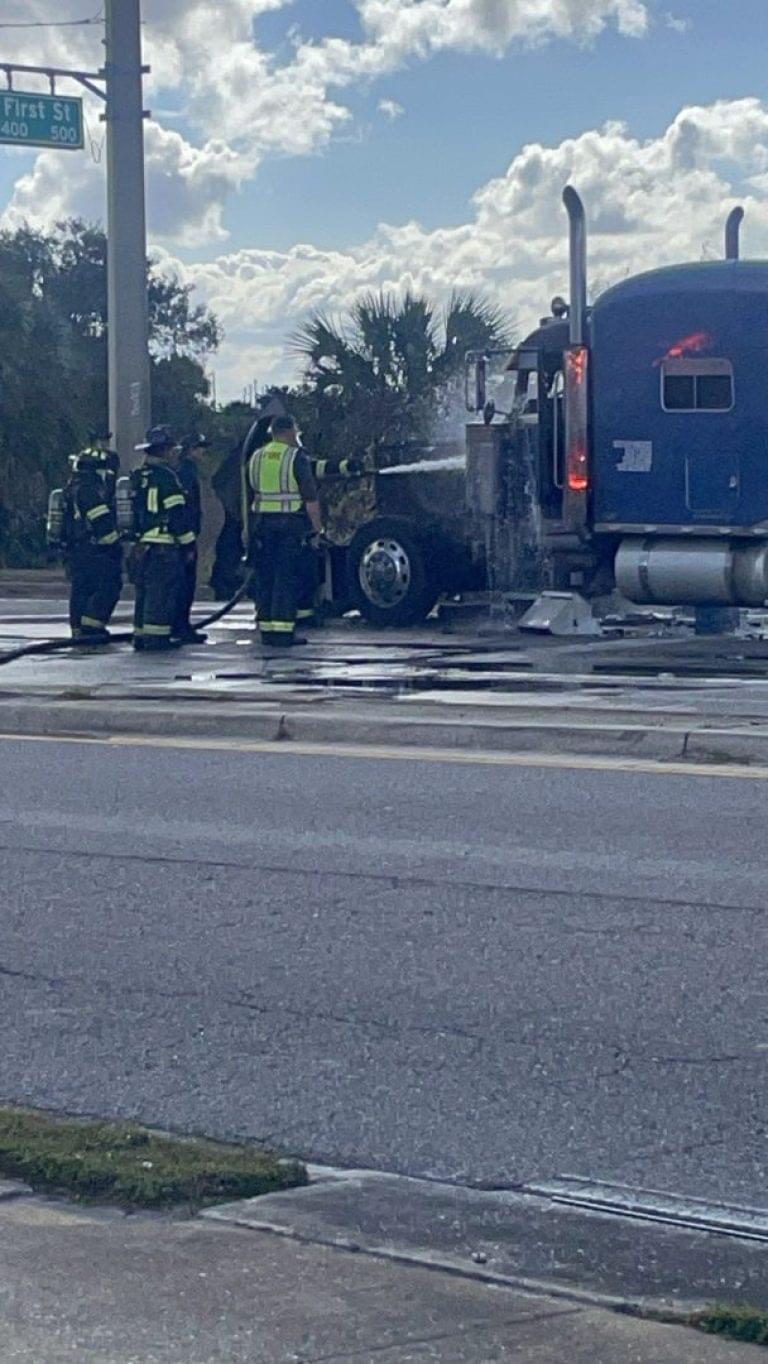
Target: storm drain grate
[{"x": 620, "y": 1200}]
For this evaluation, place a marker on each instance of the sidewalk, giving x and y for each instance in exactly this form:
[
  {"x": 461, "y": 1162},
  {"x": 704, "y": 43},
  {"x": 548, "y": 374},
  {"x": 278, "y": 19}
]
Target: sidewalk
[
  {"x": 33, "y": 582},
  {"x": 99, "y": 1287}
]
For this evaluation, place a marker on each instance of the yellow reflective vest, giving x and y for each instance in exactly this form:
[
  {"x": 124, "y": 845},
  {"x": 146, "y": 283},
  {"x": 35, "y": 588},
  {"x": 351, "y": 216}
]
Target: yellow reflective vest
[{"x": 272, "y": 478}]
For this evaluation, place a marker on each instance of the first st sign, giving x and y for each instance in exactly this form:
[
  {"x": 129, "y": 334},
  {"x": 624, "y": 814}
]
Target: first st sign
[{"x": 31, "y": 120}]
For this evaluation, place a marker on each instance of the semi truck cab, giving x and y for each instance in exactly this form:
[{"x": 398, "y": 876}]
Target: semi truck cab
[{"x": 641, "y": 431}]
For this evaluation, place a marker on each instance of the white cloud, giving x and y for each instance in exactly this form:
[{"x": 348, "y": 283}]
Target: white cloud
[
  {"x": 187, "y": 188},
  {"x": 416, "y": 27},
  {"x": 243, "y": 105},
  {"x": 649, "y": 203},
  {"x": 391, "y": 109}
]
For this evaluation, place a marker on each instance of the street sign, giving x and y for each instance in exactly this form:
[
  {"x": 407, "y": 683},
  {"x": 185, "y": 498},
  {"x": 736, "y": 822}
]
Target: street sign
[{"x": 34, "y": 120}]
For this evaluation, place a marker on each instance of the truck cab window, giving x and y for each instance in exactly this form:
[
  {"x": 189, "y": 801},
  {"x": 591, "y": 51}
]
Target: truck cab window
[
  {"x": 679, "y": 392},
  {"x": 714, "y": 392},
  {"x": 697, "y": 385}
]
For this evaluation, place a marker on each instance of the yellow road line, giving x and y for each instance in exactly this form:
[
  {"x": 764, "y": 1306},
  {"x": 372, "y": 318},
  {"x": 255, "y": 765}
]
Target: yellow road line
[{"x": 463, "y": 757}]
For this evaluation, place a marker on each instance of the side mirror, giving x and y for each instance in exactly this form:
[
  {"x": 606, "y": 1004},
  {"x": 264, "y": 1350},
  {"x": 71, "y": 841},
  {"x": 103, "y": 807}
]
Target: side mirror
[
  {"x": 489, "y": 412},
  {"x": 475, "y": 388}
]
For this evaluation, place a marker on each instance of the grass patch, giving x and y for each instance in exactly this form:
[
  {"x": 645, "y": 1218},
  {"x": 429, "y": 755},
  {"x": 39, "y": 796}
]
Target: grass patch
[
  {"x": 736, "y": 1323},
  {"x": 132, "y": 1166}
]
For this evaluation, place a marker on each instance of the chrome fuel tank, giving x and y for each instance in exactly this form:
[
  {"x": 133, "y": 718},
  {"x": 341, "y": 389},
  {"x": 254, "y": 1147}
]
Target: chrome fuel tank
[{"x": 677, "y": 571}]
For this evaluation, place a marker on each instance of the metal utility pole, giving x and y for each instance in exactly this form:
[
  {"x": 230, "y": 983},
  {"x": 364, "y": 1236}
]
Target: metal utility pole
[{"x": 128, "y": 327}]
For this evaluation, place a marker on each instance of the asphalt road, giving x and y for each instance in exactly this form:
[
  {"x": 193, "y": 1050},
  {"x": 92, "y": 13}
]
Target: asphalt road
[{"x": 479, "y": 973}]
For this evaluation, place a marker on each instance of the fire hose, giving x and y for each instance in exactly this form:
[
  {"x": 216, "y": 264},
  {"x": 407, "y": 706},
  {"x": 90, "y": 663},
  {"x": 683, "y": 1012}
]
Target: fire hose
[{"x": 52, "y": 646}]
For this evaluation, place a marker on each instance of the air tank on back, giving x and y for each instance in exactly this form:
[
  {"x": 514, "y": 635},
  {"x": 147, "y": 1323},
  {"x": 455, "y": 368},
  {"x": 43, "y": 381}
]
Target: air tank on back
[{"x": 56, "y": 519}]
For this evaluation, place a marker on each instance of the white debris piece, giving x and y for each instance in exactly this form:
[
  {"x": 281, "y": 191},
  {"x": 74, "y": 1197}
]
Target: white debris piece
[{"x": 560, "y": 613}]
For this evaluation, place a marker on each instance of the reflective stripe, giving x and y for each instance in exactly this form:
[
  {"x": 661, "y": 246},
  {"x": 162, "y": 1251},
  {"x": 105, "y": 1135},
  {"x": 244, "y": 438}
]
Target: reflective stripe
[
  {"x": 344, "y": 466},
  {"x": 278, "y": 504},
  {"x": 320, "y": 468},
  {"x": 156, "y": 629},
  {"x": 93, "y": 623},
  {"x": 287, "y": 484},
  {"x": 175, "y": 500},
  {"x": 157, "y": 537},
  {"x": 153, "y": 501},
  {"x": 253, "y": 469},
  {"x": 110, "y": 539},
  {"x": 164, "y": 537},
  {"x": 280, "y": 627},
  {"x": 304, "y": 613},
  {"x": 96, "y": 512}
]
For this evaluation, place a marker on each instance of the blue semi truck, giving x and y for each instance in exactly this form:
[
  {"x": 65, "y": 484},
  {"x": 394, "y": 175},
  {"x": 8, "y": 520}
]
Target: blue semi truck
[
  {"x": 631, "y": 453},
  {"x": 634, "y": 451}
]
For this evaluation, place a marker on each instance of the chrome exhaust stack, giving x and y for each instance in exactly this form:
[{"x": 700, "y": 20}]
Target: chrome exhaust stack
[
  {"x": 576, "y": 365},
  {"x": 577, "y": 221},
  {"x": 732, "y": 231}
]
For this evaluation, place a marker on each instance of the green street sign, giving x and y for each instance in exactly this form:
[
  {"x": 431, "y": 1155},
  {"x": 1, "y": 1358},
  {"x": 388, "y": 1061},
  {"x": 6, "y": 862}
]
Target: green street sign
[{"x": 32, "y": 120}]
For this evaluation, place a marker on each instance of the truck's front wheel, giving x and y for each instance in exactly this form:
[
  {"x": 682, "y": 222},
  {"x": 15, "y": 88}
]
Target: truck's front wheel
[{"x": 389, "y": 573}]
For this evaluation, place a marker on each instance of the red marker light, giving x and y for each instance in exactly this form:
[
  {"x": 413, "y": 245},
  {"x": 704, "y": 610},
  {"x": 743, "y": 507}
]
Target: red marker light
[
  {"x": 578, "y": 478},
  {"x": 695, "y": 344},
  {"x": 576, "y": 361},
  {"x": 577, "y": 434}
]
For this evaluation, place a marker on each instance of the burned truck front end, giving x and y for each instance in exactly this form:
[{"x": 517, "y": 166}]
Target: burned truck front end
[{"x": 415, "y": 545}]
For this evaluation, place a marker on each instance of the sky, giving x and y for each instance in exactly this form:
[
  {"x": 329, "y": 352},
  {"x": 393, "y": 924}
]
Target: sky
[{"x": 301, "y": 153}]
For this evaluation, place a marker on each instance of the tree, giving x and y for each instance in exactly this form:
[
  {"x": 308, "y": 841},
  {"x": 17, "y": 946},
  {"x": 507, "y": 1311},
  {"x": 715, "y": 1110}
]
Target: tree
[
  {"x": 53, "y": 364},
  {"x": 393, "y": 371},
  {"x": 175, "y": 326},
  {"x": 180, "y": 393}
]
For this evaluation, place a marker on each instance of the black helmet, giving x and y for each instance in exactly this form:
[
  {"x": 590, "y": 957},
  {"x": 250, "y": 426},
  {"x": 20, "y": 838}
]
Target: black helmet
[
  {"x": 195, "y": 442},
  {"x": 99, "y": 433},
  {"x": 158, "y": 441},
  {"x": 281, "y": 424},
  {"x": 89, "y": 458}
]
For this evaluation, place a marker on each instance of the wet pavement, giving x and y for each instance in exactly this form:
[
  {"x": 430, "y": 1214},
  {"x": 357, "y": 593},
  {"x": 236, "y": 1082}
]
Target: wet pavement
[{"x": 726, "y": 679}]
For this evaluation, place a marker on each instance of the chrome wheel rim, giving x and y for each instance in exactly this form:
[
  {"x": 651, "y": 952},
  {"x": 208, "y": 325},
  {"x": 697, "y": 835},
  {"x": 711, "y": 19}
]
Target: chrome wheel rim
[{"x": 385, "y": 572}]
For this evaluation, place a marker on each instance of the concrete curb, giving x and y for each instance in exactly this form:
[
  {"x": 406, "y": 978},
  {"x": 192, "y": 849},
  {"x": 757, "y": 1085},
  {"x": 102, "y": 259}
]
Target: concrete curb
[
  {"x": 445, "y": 1264},
  {"x": 506, "y": 1238},
  {"x": 520, "y": 732}
]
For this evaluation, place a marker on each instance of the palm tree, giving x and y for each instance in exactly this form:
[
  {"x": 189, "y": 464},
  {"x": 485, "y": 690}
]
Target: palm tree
[{"x": 393, "y": 366}]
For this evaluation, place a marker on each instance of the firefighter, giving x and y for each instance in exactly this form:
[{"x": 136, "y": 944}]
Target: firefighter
[
  {"x": 190, "y": 450},
  {"x": 287, "y": 512},
  {"x": 165, "y": 543},
  {"x": 91, "y": 543}
]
